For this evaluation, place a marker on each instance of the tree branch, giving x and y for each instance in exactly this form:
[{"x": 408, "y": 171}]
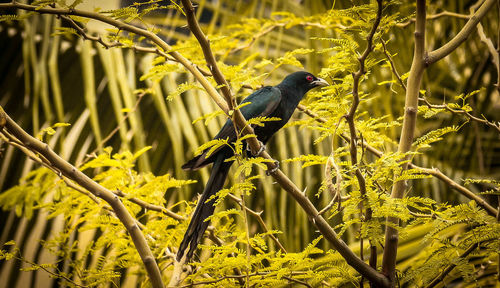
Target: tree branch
[
  {"x": 464, "y": 33},
  {"x": 435, "y": 16},
  {"x": 259, "y": 219},
  {"x": 406, "y": 140},
  {"x": 262, "y": 274},
  {"x": 83, "y": 180},
  {"x": 393, "y": 66},
  {"x": 464, "y": 112},
  {"x": 150, "y": 206},
  {"x": 351, "y": 116},
  {"x": 448, "y": 269},
  {"x": 334, "y": 190},
  {"x": 461, "y": 189}
]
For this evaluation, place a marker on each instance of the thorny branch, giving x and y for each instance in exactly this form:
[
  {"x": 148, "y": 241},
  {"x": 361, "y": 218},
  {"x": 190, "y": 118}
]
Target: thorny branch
[
  {"x": 351, "y": 116},
  {"x": 407, "y": 133},
  {"x": 219, "y": 78},
  {"x": 463, "y": 112}
]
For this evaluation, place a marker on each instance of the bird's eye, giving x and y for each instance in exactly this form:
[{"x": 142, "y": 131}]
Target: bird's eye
[{"x": 309, "y": 78}]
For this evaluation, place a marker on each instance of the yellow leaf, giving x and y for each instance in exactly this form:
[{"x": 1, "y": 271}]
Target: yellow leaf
[
  {"x": 140, "y": 152},
  {"x": 59, "y": 124}
]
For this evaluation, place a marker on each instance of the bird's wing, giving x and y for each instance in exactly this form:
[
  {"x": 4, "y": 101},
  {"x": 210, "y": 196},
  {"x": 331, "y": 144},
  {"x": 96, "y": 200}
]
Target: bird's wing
[{"x": 262, "y": 103}]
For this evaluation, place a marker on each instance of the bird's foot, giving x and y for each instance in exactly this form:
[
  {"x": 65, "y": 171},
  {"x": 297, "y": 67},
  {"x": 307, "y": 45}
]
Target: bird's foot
[
  {"x": 276, "y": 167},
  {"x": 261, "y": 149}
]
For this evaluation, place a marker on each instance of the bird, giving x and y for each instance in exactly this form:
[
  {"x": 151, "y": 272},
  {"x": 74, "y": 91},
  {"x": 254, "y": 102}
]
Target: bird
[{"x": 277, "y": 101}]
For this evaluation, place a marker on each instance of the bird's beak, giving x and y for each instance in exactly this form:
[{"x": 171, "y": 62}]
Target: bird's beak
[{"x": 320, "y": 82}]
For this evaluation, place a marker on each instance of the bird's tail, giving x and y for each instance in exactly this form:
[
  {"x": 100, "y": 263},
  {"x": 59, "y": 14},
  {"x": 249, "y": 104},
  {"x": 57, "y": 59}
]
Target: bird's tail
[{"x": 204, "y": 209}]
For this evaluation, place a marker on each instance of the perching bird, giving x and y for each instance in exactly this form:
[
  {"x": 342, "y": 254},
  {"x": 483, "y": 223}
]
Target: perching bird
[{"x": 279, "y": 101}]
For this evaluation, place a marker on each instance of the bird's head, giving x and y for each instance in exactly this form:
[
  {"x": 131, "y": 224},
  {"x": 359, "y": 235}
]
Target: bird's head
[{"x": 303, "y": 81}]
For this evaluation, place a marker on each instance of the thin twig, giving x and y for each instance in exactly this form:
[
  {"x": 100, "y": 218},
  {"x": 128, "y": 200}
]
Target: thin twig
[
  {"x": 57, "y": 275},
  {"x": 350, "y": 117},
  {"x": 391, "y": 62},
  {"x": 494, "y": 52},
  {"x": 435, "y": 16},
  {"x": 257, "y": 215},
  {"x": 117, "y": 128},
  {"x": 149, "y": 206},
  {"x": 86, "y": 36},
  {"x": 421, "y": 215},
  {"x": 450, "y": 267},
  {"x": 463, "y": 112}
]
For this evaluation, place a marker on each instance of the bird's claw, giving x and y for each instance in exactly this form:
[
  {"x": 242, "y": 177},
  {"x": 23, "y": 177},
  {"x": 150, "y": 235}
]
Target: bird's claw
[
  {"x": 261, "y": 149},
  {"x": 276, "y": 167}
]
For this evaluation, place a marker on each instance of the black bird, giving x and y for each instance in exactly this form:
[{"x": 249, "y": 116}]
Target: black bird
[{"x": 279, "y": 101}]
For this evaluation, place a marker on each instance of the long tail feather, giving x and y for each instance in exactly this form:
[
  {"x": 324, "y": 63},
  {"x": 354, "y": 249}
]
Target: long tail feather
[{"x": 204, "y": 209}]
